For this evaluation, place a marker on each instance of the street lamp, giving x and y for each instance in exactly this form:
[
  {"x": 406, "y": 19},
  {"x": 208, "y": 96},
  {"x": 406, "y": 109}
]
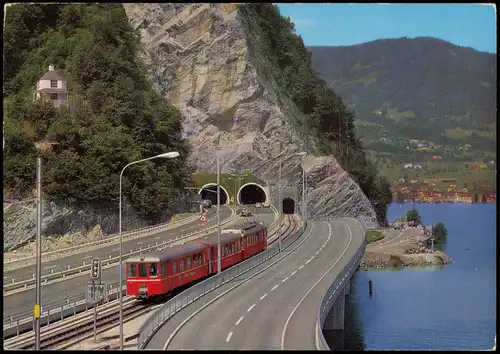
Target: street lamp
[
  {"x": 279, "y": 196},
  {"x": 168, "y": 155}
]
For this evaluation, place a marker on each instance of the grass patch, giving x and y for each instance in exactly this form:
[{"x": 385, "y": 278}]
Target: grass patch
[
  {"x": 394, "y": 113},
  {"x": 227, "y": 181},
  {"x": 365, "y": 123},
  {"x": 373, "y": 235},
  {"x": 459, "y": 133}
]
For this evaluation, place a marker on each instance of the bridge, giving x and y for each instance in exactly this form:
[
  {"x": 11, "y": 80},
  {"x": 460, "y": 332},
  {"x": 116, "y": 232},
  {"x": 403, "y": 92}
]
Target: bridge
[
  {"x": 281, "y": 303},
  {"x": 265, "y": 305}
]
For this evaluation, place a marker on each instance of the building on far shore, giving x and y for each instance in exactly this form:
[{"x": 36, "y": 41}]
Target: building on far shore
[{"x": 52, "y": 87}]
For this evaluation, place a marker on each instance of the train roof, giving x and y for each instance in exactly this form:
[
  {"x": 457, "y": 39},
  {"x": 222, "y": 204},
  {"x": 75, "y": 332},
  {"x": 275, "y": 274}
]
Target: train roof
[
  {"x": 167, "y": 253},
  {"x": 246, "y": 228}
]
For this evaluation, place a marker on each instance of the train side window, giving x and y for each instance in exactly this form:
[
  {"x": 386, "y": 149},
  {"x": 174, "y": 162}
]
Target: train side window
[
  {"x": 174, "y": 267},
  {"x": 163, "y": 269},
  {"x": 232, "y": 248},
  {"x": 132, "y": 270},
  {"x": 142, "y": 270},
  {"x": 153, "y": 269},
  {"x": 203, "y": 255},
  {"x": 188, "y": 263},
  {"x": 195, "y": 260},
  {"x": 181, "y": 265}
]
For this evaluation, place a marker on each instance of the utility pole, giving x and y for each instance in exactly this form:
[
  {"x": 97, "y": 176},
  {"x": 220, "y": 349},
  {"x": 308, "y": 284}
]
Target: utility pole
[
  {"x": 280, "y": 206},
  {"x": 218, "y": 216},
  {"x": 38, "y": 301}
]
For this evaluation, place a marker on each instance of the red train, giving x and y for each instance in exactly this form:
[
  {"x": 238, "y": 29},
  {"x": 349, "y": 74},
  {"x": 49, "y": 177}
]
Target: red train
[{"x": 156, "y": 274}]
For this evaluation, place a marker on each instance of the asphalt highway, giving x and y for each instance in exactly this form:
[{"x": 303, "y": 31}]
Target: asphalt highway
[
  {"x": 75, "y": 260},
  {"x": 59, "y": 291},
  {"x": 277, "y": 309}
]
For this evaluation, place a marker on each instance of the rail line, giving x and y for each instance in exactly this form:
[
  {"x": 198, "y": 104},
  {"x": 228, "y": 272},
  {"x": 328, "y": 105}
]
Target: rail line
[{"x": 63, "y": 335}]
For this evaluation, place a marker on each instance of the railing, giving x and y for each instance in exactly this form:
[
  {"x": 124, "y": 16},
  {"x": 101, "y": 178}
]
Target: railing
[
  {"x": 111, "y": 239},
  {"x": 174, "y": 305},
  {"x": 333, "y": 292},
  {"x": 13, "y": 319},
  {"x": 78, "y": 269},
  {"x": 78, "y": 302}
]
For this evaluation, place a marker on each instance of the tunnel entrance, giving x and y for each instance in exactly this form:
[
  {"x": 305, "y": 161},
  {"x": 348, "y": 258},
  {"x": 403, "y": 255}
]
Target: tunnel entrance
[
  {"x": 251, "y": 194},
  {"x": 210, "y": 193},
  {"x": 288, "y": 206}
]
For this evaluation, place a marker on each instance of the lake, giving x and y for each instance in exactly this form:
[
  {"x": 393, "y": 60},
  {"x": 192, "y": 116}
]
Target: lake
[{"x": 446, "y": 308}]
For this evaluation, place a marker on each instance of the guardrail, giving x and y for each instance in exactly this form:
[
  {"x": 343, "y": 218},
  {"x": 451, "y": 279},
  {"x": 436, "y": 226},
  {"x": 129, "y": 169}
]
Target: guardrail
[
  {"x": 111, "y": 239},
  {"x": 24, "y": 283},
  {"x": 174, "y": 305},
  {"x": 23, "y": 320},
  {"x": 333, "y": 291}
]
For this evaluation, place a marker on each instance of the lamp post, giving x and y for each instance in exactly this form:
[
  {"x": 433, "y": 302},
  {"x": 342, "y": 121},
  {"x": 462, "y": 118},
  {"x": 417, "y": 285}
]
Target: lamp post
[
  {"x": 279, "y": 197},
  {"x": 38, "y": 251},
  {"x": 168, "y": 155}
]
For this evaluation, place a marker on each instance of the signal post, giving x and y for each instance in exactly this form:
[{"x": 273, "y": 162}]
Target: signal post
[{"x": 96, "y": 290}]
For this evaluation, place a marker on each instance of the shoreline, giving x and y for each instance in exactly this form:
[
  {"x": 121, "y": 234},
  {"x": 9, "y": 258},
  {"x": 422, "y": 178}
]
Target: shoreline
[{"x": 399, "y": 249}]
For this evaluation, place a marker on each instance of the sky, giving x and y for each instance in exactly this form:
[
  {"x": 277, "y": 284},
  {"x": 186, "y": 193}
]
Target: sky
[{"x": 470, "y": 25}]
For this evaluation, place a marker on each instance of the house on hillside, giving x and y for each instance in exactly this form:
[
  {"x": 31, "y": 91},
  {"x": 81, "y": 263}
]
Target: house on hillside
[{"x": 52, "y": 87}]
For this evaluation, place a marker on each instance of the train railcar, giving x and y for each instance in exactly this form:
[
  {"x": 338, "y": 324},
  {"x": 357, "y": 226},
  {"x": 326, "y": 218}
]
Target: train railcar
[
  {"x": 230, "y": 244},
  {"x": 253, "y": 239},
  {"x": 158, "y": 273}
]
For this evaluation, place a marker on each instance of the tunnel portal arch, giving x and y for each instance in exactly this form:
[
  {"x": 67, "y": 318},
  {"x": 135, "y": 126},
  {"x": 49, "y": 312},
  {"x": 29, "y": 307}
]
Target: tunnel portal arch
[
  {"x": 209, "y": 191},
  {"x": 251, "y": 193},
  {"x": 288, "y": 206}
]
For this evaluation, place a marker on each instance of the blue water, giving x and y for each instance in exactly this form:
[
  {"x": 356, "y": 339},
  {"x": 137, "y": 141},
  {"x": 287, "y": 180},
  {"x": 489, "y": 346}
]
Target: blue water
[{"x": 446, "y": 308}]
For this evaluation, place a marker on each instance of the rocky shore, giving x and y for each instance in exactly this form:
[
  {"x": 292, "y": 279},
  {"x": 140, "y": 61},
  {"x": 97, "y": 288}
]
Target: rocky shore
[{"x": 406, "y": 249}]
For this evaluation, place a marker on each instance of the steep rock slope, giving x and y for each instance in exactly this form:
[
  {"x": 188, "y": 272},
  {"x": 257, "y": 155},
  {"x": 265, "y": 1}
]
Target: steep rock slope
[{"x": 200, "y": 61}]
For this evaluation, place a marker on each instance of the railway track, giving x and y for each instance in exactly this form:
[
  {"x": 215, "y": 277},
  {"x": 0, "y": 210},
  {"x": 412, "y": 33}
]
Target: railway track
[{"x": 64, "y": 335}]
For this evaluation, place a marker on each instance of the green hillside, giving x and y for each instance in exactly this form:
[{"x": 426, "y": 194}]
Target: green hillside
[{"x": 115, "y": 116}]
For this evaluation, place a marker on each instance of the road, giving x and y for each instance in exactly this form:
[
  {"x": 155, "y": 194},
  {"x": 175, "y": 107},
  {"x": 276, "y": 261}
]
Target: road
[
  {"x": 68, "y": 287},
  {"x": 75, "y": 260},
  {"x": 278, "y": 306}
]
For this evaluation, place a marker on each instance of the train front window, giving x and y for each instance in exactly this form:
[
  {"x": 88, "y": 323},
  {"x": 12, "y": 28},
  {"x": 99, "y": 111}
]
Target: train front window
[
  {"x": 132, "y": 270},
  {"x": 153, "y": 269},
  {"x": 203, "y": 258},
  {"x": 142, "y": 270}
]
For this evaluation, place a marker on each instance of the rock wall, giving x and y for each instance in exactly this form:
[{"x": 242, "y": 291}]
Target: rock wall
[{"x": 199, "y": 59}]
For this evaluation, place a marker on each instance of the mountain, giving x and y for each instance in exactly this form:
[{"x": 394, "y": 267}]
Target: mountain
[{"x": 421, "y": 88}]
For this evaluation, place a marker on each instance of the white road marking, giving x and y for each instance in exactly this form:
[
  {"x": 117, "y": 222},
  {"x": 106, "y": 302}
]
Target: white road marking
[
  {"x": 238, "y": 322},
  {"x": 284, "y": 280},
  {"x": 302, "y": 266},
  {"x": 294, "y": 272},
  {"x": 52, "y": 266},
  {"x": 312, "y": 257},
  {"x": 263, "y": 296},
  {"x": 87, "y": 257},
  {"x": 308, "y": 261},
  {"x": 229, "y": 336},
  {"x": 139, "y": 243},
  {"x": 157, "y": 238},
  {"x": 274, "y": 287},
  {"x": 250, "y": 308},
  {"x": 116, "y": 249},
  {"x": 317, "y": 253}
]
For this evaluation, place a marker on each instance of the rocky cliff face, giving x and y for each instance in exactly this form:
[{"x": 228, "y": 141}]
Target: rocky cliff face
[{"x": 199, "y": 59}]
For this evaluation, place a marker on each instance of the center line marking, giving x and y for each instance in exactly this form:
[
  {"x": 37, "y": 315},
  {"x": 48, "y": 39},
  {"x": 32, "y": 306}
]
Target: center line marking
[
  {"x": 87, "y": 257},
  {"x": 52, "y": 266},
  {"x": 116, "y": 249},
  {"x": 263, "y": 296},
  {"x": 317, "y": 252},
  {"x": 157, "y": 238},
  {"x": 250, "y": 308},
  {"x": 229, "y": 336},
  {"x": 139, "y": 243},
  {"x": 308, "y": 261},
  {"x": 294, "y": 272},
  {"x": 302, "y": 266},
  {"x": 284, "y": 280},
  {"x": 274, "y": 287},
  {"x": 312, "y": 257},
  {"x": 238, "y": 322}
]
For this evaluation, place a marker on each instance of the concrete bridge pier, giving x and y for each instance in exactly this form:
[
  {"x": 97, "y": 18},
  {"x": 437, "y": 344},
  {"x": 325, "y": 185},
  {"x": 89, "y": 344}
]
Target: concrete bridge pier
[{"x": 335, "y": 318}]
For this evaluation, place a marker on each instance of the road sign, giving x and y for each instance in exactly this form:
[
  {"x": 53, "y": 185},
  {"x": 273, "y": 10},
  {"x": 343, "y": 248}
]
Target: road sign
[
  {"x": 203, "y": 218},
  {"x": 96, "y": 292}
]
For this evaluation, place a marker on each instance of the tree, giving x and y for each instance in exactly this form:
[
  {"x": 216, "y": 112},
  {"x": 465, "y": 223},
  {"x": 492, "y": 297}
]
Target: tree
[
  {"x": 439, "y": 233},
  {"x": 412, "y": 215}
]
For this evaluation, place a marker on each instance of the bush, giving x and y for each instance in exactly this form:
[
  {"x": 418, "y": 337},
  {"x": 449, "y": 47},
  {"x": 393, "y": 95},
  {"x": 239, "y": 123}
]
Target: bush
[
  {"x": 413, "y": 215},
  {"x": 373, "y": 235},
  {"x": 439, "y": 233},
  {"x": 115, "y": 118}
]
